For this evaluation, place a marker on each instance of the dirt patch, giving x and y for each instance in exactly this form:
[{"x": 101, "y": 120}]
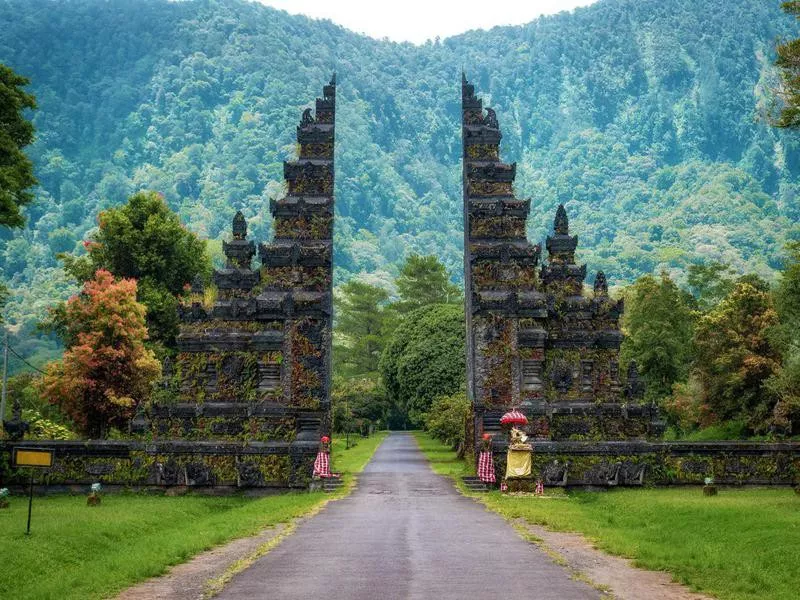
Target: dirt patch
[
  {"x": 613, "y": 574},
  {"x": 188, "y": 581}
]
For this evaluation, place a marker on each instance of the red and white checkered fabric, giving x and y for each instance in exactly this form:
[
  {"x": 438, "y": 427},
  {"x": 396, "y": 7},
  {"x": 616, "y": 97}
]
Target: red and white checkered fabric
[
  {"x": 486, "y": 467},
  {"x": 539, "y": 488},
  {"x": 322, "y": 467}
]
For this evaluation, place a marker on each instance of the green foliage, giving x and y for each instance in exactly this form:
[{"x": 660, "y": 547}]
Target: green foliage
[
  {"x": 446, "y": 419},
  {"x": 146, "y": 241},
  {"x": 787, "y": 296},
  {"x": 16, "y": 132},
  {"x": 425, "y": 359},
  {"x": 650, "y": 136},
  {"x": 785, "y": 384},
  {"x": 788, "y": 61},
  {"x": 45, "y": 429},
  {"x": 709, "y": 283},
  {"x": 659, "y": 326},
  {"x": 358, "y": 403},
  {"x": 423, "y": 281},
  {"x": 735, "y": 356},
  {"x": 363, "y": 322},
  {"x": 106, "y": 370}
]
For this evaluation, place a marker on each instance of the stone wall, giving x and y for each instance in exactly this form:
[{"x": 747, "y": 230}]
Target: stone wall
[
  {"x": 228, "y": 466},
  {"x": 637, "y": 463},
  {"x": 161, "y": 464}
]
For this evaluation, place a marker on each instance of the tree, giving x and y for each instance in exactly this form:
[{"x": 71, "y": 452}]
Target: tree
[
  {"x": 736, "y": 355},
  {"x": 362, "y": 324},
  {"x": 423, "y": 281},
  {"x": 16, "y": 132},
  {"x": 785, "y": 384},
  {"x": 358, "y": 402},
  {"x": 788, "y": 61},
  {"x": 145, "y": 240},
  {"x": 710, "y": 283},
  {"x": 106, "y": 370},
  {"x": 658, "y": 325},
  {"x": 424, "y": 360},
  {"x": 787, "y": 296}
]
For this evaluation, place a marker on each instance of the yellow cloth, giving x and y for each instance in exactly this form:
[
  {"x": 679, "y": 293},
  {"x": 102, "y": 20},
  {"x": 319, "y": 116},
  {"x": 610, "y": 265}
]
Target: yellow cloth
[{"x": 518, "y": 464}]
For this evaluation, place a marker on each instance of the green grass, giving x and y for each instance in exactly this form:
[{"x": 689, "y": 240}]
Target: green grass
[
  {"x": 741, "y": 544},
  {"x": 76, "y": 551},
  {"x": 443, "y": 459},
  {"x": 355, "y": 458}
]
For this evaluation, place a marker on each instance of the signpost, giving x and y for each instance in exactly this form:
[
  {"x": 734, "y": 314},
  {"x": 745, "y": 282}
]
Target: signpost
[{"x": 33, "y": 458}]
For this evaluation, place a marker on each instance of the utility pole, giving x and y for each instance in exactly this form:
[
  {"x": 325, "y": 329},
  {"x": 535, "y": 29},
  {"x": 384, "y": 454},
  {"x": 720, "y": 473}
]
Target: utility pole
[{"x": 5, "y": 379}]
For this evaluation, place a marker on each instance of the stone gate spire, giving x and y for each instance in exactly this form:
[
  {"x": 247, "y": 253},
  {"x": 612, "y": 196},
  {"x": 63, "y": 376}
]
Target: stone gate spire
[
  {"x": 254, "y": 358},
  {"x": 534, "y": 340}
]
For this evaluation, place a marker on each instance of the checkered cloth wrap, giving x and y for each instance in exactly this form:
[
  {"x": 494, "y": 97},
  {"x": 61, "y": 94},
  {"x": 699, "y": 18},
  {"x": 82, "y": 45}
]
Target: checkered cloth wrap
[
  {"x": 486, "y": 467},
  {"x": 322, "y": 467},
  {"x": 539, "y": 488}
]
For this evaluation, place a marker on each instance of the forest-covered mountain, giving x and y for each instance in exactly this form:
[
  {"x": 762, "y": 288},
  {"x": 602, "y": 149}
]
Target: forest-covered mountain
[{"x": 647, "y": 118}]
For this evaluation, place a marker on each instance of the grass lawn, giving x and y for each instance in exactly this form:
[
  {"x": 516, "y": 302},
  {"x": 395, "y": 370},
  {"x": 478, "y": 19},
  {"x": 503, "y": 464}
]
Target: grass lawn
[
  {"x": 76, "y": 551},
  {"x": 741, "y": 544}
]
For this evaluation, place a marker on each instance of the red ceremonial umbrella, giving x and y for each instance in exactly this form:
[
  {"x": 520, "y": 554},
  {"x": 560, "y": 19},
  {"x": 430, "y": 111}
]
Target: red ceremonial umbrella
[{"x": 513, "y": 417}]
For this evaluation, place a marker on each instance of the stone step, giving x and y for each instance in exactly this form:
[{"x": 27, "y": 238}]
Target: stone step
[
  {"x": 474, "y": 484},
  {"x": 331, "y": 485}
]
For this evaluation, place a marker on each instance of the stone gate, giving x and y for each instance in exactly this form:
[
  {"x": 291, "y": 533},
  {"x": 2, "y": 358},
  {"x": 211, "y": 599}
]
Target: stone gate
[
  {"x": 247, "y": 397},
  {"x": 535, "y": 340}
]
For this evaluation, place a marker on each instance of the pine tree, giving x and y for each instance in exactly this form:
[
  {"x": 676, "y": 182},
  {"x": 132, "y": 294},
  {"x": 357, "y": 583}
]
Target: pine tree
[
  {"x": 788, "y": 61},
  {"x": 362, "y": 324},
  {"x": 423, "y": 281}
]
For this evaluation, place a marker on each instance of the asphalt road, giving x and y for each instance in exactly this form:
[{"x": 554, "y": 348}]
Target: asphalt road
[{"x": 405, "y": 533}]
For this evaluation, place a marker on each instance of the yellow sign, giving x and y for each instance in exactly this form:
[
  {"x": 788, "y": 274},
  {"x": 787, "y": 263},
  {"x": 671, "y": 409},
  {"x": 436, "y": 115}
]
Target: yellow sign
[{"x": 33, "y": 457}]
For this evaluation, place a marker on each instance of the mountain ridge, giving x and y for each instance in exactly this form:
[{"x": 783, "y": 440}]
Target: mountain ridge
[{"x": 640, "y": 116}]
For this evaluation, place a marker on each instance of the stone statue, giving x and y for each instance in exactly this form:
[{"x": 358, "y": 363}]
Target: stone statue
[
  {"x": 490, "y": 120},
  {"x": 518, "y": 440},
  {"x": 600, "y": 284}
]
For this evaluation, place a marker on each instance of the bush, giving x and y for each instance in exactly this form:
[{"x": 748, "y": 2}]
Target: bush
[{"x": 446, "y": 419}]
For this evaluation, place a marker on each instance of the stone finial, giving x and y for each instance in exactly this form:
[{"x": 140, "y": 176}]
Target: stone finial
[
  {"x": 329, "y": 91},
  {"x": 633, "y": 371},
  {"x": 490, "y": 120},
  {"x": 239, "y": 225},
  {"x": 16, "y": 428},
  {"x": 561, "y": 222},
  {"x": 600, "y": 284},
  {"x": 197, "y": 285},
  {"x": 634, "y": 387},
  {"x": 166, "y": 370}
]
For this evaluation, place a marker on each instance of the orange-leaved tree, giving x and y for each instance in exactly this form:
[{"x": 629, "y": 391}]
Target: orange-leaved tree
[{"x": 106, "y": 369}]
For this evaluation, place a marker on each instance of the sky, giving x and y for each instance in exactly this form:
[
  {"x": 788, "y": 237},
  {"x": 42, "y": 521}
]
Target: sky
[{"x": 420, "y": 20}]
